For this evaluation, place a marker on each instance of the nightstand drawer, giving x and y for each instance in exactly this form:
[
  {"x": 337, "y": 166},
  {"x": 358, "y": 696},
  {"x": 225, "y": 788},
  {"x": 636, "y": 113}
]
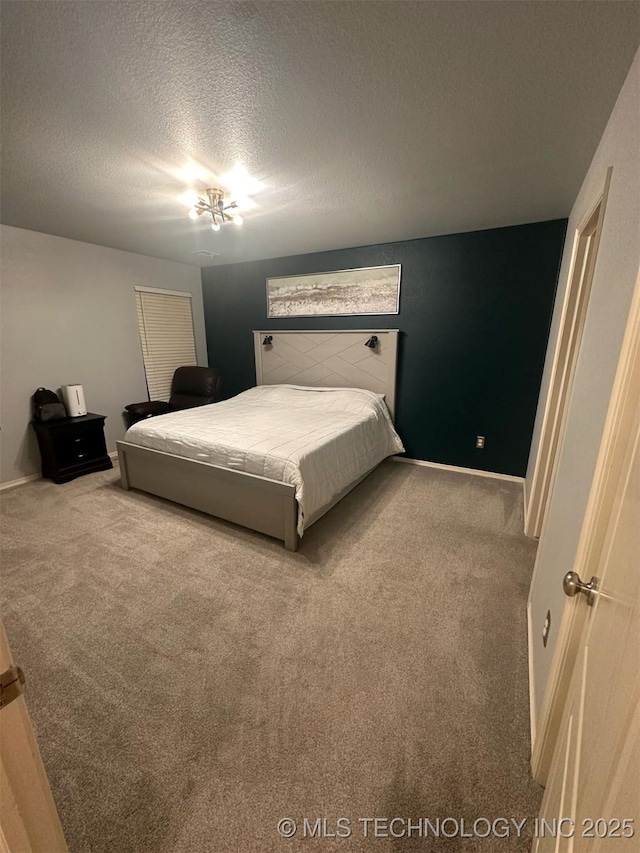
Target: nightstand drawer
[{"x": 74, "y": 449}]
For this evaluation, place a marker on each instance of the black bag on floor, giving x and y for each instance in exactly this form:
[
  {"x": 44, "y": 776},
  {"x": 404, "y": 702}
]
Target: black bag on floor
[{"x": 47, "y": 406}]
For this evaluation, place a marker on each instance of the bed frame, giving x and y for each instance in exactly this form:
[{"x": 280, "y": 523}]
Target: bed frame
[{"x": 321, "y": 359}]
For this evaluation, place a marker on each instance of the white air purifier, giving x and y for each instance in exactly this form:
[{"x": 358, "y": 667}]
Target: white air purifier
[{"x": 73, "y": 396}]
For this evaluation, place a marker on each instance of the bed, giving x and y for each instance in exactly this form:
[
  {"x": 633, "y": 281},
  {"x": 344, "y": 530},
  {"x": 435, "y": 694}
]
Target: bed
[{"x": 277, "y": 457}]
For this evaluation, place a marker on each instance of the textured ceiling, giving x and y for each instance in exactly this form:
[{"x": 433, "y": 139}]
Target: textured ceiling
[{"x": 366, "y": 121}]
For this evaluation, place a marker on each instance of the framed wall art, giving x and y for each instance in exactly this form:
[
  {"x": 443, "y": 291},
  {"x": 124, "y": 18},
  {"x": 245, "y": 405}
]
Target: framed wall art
[{"x": 368, "y": 290}]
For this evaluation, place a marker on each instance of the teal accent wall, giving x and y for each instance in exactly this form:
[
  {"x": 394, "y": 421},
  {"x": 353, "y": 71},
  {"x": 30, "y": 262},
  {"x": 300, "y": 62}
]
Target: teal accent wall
[{"x": 475, "y": 310}]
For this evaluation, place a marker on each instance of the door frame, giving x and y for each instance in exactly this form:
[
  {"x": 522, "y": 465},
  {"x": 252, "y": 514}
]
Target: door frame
[
  {"x": 28, "y": 817},
  {"x": 586, "y": 242},
  {"x": 625, "y": 390}
]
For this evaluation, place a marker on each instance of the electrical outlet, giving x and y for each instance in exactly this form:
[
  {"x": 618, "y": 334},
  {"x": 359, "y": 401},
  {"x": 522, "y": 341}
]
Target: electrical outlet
[
  {"x": 545, "y": 629},
  {"x": 480, "y": 442}
]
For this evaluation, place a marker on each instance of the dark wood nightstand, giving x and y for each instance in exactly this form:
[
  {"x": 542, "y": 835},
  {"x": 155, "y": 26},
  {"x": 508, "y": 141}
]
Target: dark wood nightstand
[{"x": 71, "y": 447}]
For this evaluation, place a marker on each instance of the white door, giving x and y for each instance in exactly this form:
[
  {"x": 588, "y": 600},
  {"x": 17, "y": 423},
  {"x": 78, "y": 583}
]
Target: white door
[
  {"x": 592, "y": 799},
  {"x": 28, "y": 818}
]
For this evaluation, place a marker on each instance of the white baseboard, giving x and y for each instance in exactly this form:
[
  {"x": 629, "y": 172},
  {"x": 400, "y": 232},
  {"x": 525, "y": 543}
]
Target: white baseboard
[
  {"x": 11, "y": 484},
  {"x": 532, "y": 695},
  {"x": 477, "y": 473}
]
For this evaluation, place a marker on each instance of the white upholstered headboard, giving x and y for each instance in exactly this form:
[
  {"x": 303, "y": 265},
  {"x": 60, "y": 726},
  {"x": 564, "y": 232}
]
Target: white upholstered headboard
[{"x": 329, "y": 359}]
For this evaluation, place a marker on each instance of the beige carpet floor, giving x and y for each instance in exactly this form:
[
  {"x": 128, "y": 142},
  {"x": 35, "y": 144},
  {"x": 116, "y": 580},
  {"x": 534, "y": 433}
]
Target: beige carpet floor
[{"x": 192, "y": 683}]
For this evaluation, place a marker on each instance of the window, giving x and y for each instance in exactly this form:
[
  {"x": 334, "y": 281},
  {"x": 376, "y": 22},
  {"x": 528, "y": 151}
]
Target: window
[{"x": 165, "y": 323}]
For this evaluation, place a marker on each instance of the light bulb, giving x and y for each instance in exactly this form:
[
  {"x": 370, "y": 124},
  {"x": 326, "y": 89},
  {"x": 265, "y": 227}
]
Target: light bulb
[
  {"x": 237, "y": 219},
  {"x": 193, "y": 214},
  {"x": 190, "y": 198},
  {"x": 190, "y": 172},
  {"x": 215, "y": 225}
]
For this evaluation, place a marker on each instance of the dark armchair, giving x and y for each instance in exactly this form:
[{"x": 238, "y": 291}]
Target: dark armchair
[{"x": 191, "y": 386}]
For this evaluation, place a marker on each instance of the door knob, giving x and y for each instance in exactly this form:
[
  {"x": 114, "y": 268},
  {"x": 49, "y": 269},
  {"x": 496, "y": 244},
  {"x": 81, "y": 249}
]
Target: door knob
[{"x": 572, "y": 585}]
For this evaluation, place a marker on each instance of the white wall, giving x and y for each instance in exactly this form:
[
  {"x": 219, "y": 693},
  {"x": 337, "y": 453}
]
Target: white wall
[
  {"x": 614, "y": 279},
  {"x": 69, "y": 315}
]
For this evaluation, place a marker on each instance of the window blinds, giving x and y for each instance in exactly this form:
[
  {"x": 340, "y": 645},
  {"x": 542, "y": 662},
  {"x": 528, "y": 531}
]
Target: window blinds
[{"x": 165, "y": 323}]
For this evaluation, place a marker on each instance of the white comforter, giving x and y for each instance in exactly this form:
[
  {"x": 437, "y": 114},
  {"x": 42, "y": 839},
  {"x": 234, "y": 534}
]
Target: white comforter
[{"x": 318, "y": 439}]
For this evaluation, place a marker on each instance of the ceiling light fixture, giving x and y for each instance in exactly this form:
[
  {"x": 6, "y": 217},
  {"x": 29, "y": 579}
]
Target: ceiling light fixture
[{"x": 212, "y": 202}]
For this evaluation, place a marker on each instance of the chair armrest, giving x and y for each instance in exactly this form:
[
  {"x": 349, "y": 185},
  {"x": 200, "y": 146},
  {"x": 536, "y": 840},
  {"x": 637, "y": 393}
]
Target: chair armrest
[{"x": 149, "y": 409}]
